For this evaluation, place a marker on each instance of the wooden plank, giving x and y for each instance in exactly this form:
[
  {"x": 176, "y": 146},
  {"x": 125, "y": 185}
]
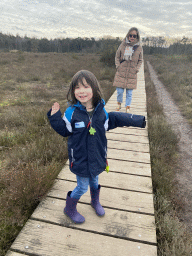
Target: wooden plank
[
  {"x": 48, "y": 239},
  {"x": 118, "y": 154},
  {"x": 115, "y": 144},
  {"x": 135, "y": 107},
  {"x": 137, "y": 101},
  {"x": 142, "y": 97},
  {"x": 130, "y": 130},
  {"x": 112, "y": 102},
  {"x": 129, "y": 138},
  {"x": 139, "y": 107},
  {"x": 139, "y": 92},
  {"x": 128, "y": 167},
  {"x": 114, "y": 223},
  {"x": 135, "y": 92},
  {"x": 113, "y": 198},
  {"x": 11, "y": 253},
  {"x": 134, "y": 111},
  {"x": 128, "y": 182},
  {"x": 115, "y": 180}
]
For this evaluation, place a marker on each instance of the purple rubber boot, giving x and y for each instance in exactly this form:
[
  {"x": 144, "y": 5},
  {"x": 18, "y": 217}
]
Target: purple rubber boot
[
  {"x": 71, "y": 211},
  {"x": 95, "y": 201}
]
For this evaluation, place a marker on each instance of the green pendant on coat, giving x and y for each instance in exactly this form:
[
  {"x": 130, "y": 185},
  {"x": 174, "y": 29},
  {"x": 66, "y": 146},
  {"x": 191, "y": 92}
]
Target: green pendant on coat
[{"x": 92, "y": 131}]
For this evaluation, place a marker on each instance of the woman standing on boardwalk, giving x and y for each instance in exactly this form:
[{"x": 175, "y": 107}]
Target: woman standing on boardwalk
[{"x": 128, "y": 60}]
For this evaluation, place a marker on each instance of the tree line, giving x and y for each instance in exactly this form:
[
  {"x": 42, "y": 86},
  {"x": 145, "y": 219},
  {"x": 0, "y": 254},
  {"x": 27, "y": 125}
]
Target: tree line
[
  {"x": 105, "y": 46},
  {"x": 10, "y": 42},
  {"x": 160, "y": 45}
]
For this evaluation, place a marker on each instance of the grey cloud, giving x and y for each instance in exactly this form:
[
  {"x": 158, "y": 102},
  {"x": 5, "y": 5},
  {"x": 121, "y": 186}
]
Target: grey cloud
[
  {"x": 17, "y": 28},
  {"x": 97, "y": 16}
]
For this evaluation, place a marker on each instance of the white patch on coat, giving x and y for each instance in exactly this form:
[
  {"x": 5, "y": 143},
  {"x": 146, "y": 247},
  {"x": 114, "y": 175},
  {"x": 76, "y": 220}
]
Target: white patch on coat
[
  {"x": 80, "y": 125},
  {"x": 68, "y": 124},
  {"x": 106, "y": 124}
]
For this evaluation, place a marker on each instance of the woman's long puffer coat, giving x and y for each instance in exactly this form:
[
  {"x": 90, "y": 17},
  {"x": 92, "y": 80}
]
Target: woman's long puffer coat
[{"x": 126, "y": 75}]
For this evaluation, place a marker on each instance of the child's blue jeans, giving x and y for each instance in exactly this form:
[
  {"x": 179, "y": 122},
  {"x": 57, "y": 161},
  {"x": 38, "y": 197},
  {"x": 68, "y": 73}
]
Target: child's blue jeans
[
  {"x": 82, "y": 186},
  {"x": 129, "y": 93}
]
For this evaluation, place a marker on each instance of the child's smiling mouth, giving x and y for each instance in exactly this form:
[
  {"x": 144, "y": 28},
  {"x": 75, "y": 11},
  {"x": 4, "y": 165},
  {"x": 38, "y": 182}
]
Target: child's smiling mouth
[{"x": 82, "y": 97}]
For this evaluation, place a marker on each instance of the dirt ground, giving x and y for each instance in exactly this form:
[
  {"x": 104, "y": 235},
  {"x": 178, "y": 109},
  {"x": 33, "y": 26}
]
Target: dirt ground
[{"x": 184, "y": 133}]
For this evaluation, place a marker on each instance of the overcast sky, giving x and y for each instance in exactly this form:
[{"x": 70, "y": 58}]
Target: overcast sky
[{"x": 95, "y": 18}]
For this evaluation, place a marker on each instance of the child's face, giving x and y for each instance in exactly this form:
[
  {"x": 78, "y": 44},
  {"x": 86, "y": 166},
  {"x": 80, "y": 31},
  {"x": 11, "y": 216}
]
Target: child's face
[{"x": 84, "y": 94}]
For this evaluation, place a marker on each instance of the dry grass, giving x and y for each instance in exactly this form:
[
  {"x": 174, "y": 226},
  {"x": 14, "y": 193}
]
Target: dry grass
[
  {"x": 31, "y": 153},
  {"x": 172, "y": 236},
  {"x": 175, "y": 72}
]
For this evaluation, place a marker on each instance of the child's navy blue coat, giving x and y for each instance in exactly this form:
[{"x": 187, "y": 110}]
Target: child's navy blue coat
[{"x": 88, "y": 153}]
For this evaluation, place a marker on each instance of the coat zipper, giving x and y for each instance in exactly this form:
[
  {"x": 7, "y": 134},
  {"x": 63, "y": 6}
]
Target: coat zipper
[
  {"x": 107, "y": 166},
  {"x": 90, "y": 120},
  {"x": 73, "y": 159}
]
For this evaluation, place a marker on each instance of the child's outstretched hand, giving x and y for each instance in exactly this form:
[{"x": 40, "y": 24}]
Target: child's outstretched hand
[{"x": 55, "y": 108}]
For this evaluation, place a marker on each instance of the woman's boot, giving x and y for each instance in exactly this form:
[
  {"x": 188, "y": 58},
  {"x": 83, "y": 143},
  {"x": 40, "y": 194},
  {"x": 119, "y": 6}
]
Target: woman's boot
[
  {"x": 95, "y": 201},
  {"x": 71, "y": 211},
  {"x": 118, "y": 106}
]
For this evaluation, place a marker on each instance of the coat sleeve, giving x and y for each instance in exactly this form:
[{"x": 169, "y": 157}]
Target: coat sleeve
[
  {"x": 119, "y": 119},
  {"x": 140, "y": 60},
  {"x": 117, "y": 56},
  {"x": 58, "y": 124}
]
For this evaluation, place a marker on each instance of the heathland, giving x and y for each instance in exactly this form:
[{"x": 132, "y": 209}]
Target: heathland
[
  {"x": 32, "y": 155},
  {"x": 175, "y": 72}
]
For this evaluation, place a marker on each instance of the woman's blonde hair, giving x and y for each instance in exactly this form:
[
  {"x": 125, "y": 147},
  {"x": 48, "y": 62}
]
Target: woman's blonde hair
[
  {"x": 91, "y": 80},
  {"x": 130, "y": 30}
]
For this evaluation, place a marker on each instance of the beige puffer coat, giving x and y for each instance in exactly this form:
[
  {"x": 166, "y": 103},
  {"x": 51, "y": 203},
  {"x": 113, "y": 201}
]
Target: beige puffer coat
[{"x": 126, "y": 75}]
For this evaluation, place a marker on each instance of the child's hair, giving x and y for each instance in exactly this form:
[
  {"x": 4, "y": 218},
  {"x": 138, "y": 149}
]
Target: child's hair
[{"x": 91, "y": 80}]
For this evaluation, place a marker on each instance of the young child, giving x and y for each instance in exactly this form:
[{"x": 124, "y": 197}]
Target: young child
[{"x": 85, "y": 122}]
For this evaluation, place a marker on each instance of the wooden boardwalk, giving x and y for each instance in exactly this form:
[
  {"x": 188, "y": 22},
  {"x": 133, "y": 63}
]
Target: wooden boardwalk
[{"x": 128, "y": 227}]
